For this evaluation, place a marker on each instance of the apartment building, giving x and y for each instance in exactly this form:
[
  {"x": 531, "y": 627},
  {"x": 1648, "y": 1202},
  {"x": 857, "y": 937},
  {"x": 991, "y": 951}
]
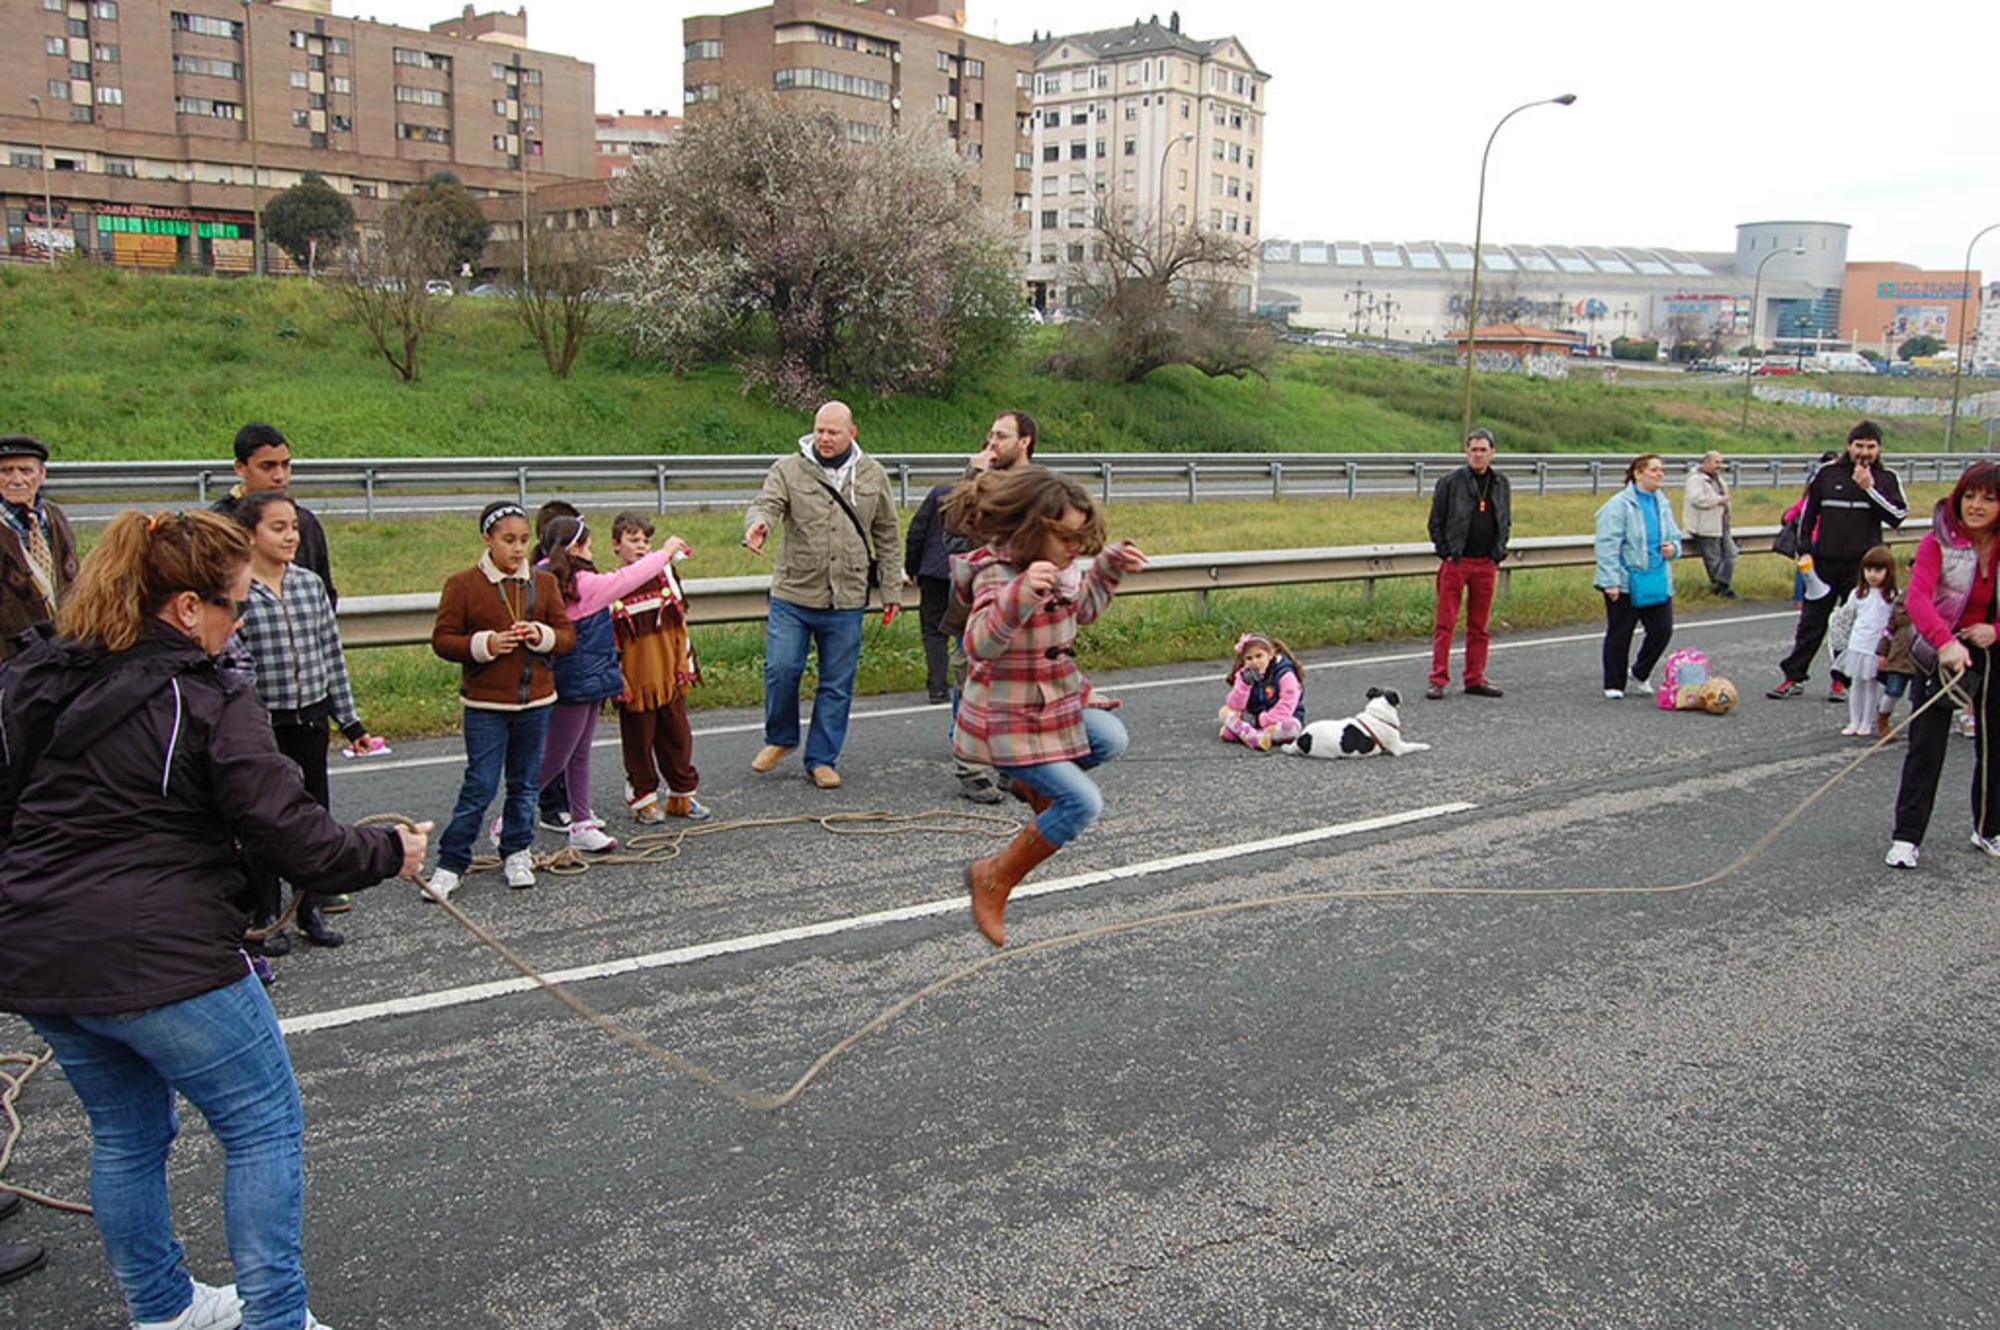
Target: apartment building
[
  {"x": 1164, "y": 128},
  {"x": 621, "y": 139},
  {"x": 883, "y": 67},
  {"x": 149, "y": 131}
]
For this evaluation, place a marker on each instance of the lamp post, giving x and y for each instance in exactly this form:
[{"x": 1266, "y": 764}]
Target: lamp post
[
  {"x": 1756, "y": 298},
  {"x": 48, "y": 203},
  {"x": 526, "y": 129},
  {"x": 250, "y": 132},
  {"x": 1184, "y": 137},
  {"x": 1478, "y": 235},
  {"x": 1958, "y": 362}
]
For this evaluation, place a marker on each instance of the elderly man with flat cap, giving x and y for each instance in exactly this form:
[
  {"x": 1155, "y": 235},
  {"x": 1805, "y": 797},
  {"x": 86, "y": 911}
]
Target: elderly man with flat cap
[{"x": 37, "y": 551}]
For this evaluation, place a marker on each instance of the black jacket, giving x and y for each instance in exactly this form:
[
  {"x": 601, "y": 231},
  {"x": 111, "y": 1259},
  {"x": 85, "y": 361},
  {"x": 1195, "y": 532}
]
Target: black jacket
[
  {"x": 1850, "y": 519},
  {"x": 312, "y": 542},
  {"x": 924, "y": 551},
  {"x": 1453, "y": 501},
  {"x": 119, "y": 857}
]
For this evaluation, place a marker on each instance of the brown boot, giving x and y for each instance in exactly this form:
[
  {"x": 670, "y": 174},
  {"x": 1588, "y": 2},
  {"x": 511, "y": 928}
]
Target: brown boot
[
  {"x": 992, "y": 878},
  {"x": 1026, "y": 794},
  {"x": 1882, "y": 726}
]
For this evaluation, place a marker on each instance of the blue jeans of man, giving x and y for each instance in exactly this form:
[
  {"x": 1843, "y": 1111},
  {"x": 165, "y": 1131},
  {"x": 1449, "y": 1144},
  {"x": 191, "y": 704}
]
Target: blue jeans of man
[
  {"x": 497, "y": 744},
  {"x": 836, "y": 636},
  {"x": 1077, "y": 798},
  {"x": 223, "y": 1051}
]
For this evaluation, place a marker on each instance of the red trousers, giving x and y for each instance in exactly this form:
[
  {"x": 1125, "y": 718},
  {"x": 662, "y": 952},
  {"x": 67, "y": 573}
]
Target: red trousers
[
  {"x": 1474, "y": 578},
  {"x": 658, "y": 743}
]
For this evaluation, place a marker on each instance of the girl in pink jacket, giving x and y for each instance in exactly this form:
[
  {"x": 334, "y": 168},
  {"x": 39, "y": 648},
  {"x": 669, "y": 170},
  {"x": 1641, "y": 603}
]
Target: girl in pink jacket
[{"x": 1266, "y": 705}]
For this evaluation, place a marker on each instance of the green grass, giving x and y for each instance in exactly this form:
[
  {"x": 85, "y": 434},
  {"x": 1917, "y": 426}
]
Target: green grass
[{"x": 109, "y": 365}]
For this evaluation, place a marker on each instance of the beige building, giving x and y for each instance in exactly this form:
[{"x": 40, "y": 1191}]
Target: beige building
[
  {"x": 156, "y": 127},
  {"x": 883, "y": 68},
  {"x": 1165, "y": 128}
]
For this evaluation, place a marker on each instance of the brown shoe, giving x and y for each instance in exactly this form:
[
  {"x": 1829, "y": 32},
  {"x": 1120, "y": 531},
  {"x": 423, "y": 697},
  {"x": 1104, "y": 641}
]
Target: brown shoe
[
  {"x": 1882, "y": 725},
  {"x": 992, "y": 879},
  {"x": 767, "y": 757},
  {"x": 826, "y": 778},
  {"x": 1026, "y": 794}
]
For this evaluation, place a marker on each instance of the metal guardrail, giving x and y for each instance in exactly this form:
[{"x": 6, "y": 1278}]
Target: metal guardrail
[
  {"x": 526, "y": 479},
  {"x": 405, "y": 620}
]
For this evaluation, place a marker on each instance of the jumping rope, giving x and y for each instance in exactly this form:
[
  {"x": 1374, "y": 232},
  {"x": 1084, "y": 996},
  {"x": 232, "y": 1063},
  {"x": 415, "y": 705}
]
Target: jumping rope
[{"x": 665, "y": 846}]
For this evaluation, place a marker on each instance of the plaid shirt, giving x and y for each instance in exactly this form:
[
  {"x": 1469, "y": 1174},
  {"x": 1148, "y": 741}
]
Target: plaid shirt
[
  {"x": 1024, "y": 696},
  {"x": 292, "y": 644}
]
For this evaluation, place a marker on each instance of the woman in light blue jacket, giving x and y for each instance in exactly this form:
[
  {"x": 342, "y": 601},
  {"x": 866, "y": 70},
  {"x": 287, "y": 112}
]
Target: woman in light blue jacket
[{"x": 1637, "y": 542}]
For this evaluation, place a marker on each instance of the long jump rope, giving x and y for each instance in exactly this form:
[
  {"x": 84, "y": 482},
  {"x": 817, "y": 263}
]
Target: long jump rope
[{"x": 665, "y": 846}]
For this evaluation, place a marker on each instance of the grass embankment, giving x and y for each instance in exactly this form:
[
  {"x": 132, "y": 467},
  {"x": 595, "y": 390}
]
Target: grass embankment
[
  {"x": 111, "y": 365},
  {"x": 408, "y": 691}
]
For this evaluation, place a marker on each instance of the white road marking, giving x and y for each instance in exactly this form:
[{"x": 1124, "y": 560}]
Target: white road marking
[
  {"x": 458, "y": 997},
  {"x": 358, "y": 766}
]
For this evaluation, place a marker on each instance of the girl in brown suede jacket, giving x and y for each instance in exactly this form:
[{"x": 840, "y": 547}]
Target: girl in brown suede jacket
[{"x": 500, "y": 620}]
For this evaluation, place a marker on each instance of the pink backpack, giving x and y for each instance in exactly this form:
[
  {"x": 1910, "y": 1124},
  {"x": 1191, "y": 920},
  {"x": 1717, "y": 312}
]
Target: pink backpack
[{"x": 1681, "y": 678}]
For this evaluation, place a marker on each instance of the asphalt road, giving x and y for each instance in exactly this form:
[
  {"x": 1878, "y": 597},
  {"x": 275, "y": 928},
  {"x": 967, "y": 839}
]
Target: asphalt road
[{"x": 1771, "y": 1102}]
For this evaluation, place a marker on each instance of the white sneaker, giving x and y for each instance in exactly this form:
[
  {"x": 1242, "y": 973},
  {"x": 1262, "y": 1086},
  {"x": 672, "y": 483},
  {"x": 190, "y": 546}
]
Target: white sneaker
[
  {"x": 1990, "y": 844},
  {"x": 1640, "y": 686},
  {"x": 1614, "y": 695},
  {"x": 314, "y": 1323},
  {"x": 1902, "y": 854},
  {"x": 213, "y": 1308},
  {"x": 587, "y": 838},
  {"x": 520, "y": 868},
  {"x": 443, "y": 882}
]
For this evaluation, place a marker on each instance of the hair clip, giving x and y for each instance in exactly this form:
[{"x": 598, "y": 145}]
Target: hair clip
[{"x": 1249, "y": 638}]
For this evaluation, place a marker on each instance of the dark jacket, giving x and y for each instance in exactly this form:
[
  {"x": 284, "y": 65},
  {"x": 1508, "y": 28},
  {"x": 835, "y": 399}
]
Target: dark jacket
[
  {"x": 312, "y": 542},
  {"x": 588, "y": 671},
  {"x": 1849, "y": 518},
  {"x": 1454, "y": 500},
  {"x": 145, "y": 771},
  {"x": 21, "y": 603},
  {"x": 925, "y": 552}
]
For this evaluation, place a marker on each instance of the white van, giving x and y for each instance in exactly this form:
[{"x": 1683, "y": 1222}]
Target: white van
[{"x": 1840, "y": 362}]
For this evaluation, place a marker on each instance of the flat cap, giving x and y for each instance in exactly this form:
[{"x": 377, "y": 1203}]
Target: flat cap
[{"x": 23, "y": 445}]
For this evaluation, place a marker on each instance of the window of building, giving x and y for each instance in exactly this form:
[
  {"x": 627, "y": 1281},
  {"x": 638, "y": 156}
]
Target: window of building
[
  {"x": 104, "y": 53},
  {"x": 1130, "y": 180},
  {"x": 119, "y": 166},
  {"x": 298, "y": 40},
  {"x": 1235, "y": 187},
  {"x": 1180, "y": 178},
  {"x": 532, "y": 77},
  {"x": 827, "y": 80},
  {"x": 707, "y": 49},
  {"x": 59, "y": 90},
  {"x": 1023, "y": 79},
  {"x": 500, "y": 106},
  {"x": 1219, "y": 150},
  {"x": 80, "y": 70},
  {"x": 365, "y": 189},
  {"x": 1024, "y": 161},
  {"x": 1079, "y": 115},
  {"x": 1215, "y": 218},
  {"x": 1048, "y": 219},
  {"x": 316, "y": 63},
  {"x": 110, "y": 96},
  {"x": 1249, "y": 156},
  {"x": 1131, "y": 147},
  {"x": 336, "y": 46},
  {"x": 499, "y": 70},
  {"x": 1131, "y": 75},
  {"x": 1050, "y": 184},
  {"x": 422, "y": 96},
  {"x": 702, "y": 92},
  {"x": 53, "y": 6},
  {"x": 300, "y": 119},
  {"x": 55, "y": 46},
  {"x": 1187, "y": 72},
  {"x": 77, "y": 27},
  {"x": 1235, "y": 152},
  {"x": 1078, "y": 218},
  {"x": 975, "y": 69},
  {"x": 205, "y": 106},
  {"x": 423, "y": 133},
  {"x": 1103, "y": 146},
  {"x": 27, "y": 161},
  {"x": 1215, "y": 185},
  {"x": 1050, "y": 83},
  {"x": 1131, "y": 111},
  {"x": 1075, "y": 252},
  {"x": 298, "y": 78},
  {"x": 1079, "y": 150},
  {"x": 945, "y": 62},
  {"x": 201, "y": 64},
  {"x": 81, "y": 115},
  {"x": 432, "y": 60},
  {"x": 1052, "y": 119},
  {"x": 499, "y": 143},
  {"x": 105, "y": 9},
  {"x": 342, "y": 84},
  {"x": 1051, "y": 152},
  {"x": 406, "y": 56},
  {"x": 1077, "y": 183},
  {"x": 316, "y": 100},
  {"x": 342, "y": 124}
]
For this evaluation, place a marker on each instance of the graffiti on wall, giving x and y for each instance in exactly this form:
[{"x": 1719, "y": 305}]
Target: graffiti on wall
[{"x": 1535, "y": 366}]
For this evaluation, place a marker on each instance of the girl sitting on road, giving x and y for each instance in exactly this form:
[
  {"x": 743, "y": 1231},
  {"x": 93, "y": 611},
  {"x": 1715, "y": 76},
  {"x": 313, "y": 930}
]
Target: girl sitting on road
[
  {"x": 1266, "y": 703},
  {"x": 1024, "y": 709},
  {"x": 501, "y": 620}
]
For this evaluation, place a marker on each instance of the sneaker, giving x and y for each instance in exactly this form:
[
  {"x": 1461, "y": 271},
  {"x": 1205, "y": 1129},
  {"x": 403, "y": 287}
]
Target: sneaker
[
  {"x": 1836, "y": 691},
  {"x": 558, "y": 821},
  {"x": 1848, "y": 731},
  {"x": 1614, "y": 694},
  {"x": 1902, "y": 854},
  {"x": 689, "y": 807},
  {"x": 587, "y": 838},
  {"x": 520, "y": 869},
  {"x": 314, "y": 1323},
  {"x": 212, "y": 1309},
  {"x": 1966, "y": 725},
  {"x": 1640, "y": 686},
  {"x": 981, "y": 789},
  {"x": 262, "y": 969},
  {"x": 1264, "y": 738},
  {"x": 1989, "y": 844},
  {"x": 1435, "y": 693},
  {"x": 443, "y": 882},
  {"x": 1787, "y": 688},
  {"x": 1482, "y": 689}
]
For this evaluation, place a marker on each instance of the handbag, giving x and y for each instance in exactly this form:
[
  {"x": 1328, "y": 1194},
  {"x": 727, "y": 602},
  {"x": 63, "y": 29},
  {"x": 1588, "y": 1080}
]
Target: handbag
[
  {"x": 874, "y": 564},
  {"x": 1786, "y": 542}
]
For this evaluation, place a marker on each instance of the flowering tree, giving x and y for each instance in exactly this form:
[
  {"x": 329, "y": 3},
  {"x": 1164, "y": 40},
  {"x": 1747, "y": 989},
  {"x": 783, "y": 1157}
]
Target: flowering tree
[{"x": 764, "y": 235}]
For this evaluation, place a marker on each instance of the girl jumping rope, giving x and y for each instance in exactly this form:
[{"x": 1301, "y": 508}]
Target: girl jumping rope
[
  {"x": 1874, "y": 602},
  {"x": 1025, "y": 710},
  {"x": 1266, "y": 705}
]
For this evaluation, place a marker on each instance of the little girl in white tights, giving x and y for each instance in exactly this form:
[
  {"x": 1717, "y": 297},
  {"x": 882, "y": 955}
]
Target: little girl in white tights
[{"x": 1874, "y": 601}]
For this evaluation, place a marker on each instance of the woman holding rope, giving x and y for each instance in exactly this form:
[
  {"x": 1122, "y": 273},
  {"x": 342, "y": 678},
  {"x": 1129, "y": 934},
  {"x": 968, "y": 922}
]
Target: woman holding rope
[
  {"x": 138, "y": 773},
  {"x": 1952, "y": 607}
]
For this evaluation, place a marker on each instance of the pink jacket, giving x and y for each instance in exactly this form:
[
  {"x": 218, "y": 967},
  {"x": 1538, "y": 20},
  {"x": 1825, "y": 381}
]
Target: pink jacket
[
  {"x": 596, "y": 591},
  {"x": 1287, "y": 705}
]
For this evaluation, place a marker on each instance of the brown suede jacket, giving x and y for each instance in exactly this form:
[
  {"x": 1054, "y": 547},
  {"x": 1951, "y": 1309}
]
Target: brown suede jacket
[{"x": 480, "y": 602}]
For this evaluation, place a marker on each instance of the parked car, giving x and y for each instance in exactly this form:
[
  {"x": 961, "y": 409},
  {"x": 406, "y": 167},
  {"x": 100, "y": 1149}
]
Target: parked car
[
  {"x": 438, "y": 286},
  {"x": 1775, "y": 367}
]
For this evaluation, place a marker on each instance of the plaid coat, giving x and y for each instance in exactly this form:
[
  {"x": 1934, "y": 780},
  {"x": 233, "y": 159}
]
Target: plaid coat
[{"x": 1024, "y": 696}]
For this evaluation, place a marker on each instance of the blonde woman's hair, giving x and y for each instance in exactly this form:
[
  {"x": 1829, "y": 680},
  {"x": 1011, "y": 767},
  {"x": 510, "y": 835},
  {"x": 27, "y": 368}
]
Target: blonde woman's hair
[
  {"x": 1015, "y": 508},
  {"x": 142, "y": 562}
]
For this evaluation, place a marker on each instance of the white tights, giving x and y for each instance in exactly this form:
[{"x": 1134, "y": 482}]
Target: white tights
[{"x": 1864, "y": 697}]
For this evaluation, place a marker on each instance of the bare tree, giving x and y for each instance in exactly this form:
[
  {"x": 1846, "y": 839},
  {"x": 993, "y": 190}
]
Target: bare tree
[
  {"x": 1152, "y": 299},
  {"x": 385, "y": 291},
  {"x": 564, "y": 299}
]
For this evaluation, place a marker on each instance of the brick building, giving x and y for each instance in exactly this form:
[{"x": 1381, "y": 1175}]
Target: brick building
[
  {"x": 622, "y": 138},
  {"x": 882, "y": 68},
  {"x": 157, "y": 127}
]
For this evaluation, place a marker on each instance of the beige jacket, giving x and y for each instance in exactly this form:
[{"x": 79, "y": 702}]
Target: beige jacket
[
  {"x": 821, "y": 561},
  {"x": 1702, "y": 511}
]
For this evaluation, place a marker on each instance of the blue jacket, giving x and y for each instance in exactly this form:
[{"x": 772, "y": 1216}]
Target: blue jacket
[
  {"x": 589, "y": 672},
  {"x": 1621, "y": 536}
]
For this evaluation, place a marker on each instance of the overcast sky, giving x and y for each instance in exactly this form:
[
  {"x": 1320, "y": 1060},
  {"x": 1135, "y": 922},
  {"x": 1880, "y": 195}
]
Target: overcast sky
[{"x": 1688, "y": 119}]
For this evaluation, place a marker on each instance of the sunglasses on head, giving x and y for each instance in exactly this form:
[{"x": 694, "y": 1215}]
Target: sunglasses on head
[{"x": 237, "y": 608}]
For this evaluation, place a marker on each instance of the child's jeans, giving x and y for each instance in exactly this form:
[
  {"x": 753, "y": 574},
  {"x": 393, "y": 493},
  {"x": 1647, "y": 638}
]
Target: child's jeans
[
  {"x": 1077, "y": 799},
  {"x": 497, "y": 744},
  {"x": 1893, "y": 687}
]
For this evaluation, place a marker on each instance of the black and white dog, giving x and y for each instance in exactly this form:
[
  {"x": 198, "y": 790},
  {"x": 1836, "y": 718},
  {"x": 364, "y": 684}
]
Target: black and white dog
[{"x": 1376, "y": 728}]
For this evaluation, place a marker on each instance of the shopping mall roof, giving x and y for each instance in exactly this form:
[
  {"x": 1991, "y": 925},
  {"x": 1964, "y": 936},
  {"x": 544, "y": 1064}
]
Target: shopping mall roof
[{"x": 1447, "y": 256}]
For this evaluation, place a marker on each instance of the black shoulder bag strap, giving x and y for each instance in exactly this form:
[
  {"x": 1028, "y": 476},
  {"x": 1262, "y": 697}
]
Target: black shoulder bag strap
[{"x": 874, "y": 564}]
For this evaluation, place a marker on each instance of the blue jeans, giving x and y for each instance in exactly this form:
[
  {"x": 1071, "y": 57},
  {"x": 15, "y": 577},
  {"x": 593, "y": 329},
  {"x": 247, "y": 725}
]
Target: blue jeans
[
  {"x": 497, "y": 743},
  {"x": 1077, "y": 798},
  {"x": 836, "y": 635},
  {"x": 223, "y": 1051}
]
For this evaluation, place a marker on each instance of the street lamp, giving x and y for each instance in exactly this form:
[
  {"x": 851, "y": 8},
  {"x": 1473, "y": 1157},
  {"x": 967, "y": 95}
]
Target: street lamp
[
  {"x": 1184, "y": 137},
  {"x": 1478, "y": 236},
  {"x": 1756, "y": 297},
  {"x": 526, "y": 129},
  {"x": 1958, "y": 363},
  {"x": 250, "y": 132},
  {"x": 48, "y": 204}
]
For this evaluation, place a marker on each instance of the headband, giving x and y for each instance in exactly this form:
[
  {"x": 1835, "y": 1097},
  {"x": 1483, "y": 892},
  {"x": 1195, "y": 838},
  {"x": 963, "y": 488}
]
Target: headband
[
  {"x": 582, "y": 533},
  {"x": 501, "y": 514},
  {"x": 1249, "y": 638}
]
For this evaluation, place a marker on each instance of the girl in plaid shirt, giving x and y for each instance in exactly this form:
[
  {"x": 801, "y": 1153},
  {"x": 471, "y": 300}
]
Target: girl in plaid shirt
[
  {"x": 291, "y": 641},
  {"x": 1025, "y": 710}
]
